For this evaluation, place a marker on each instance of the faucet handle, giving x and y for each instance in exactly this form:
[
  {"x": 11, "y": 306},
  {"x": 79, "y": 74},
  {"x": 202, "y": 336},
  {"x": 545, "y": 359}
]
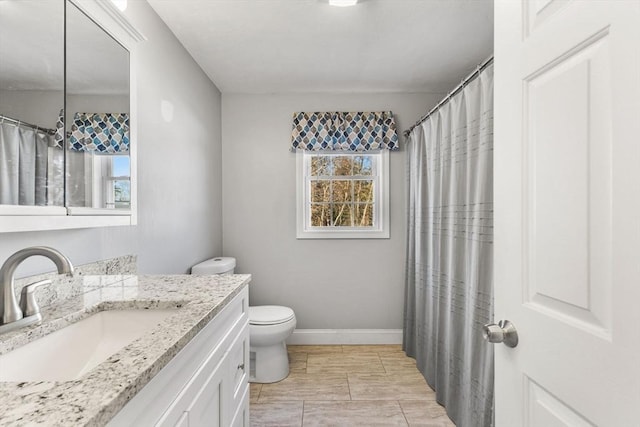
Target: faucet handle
[{"x": 28, "y": 303}]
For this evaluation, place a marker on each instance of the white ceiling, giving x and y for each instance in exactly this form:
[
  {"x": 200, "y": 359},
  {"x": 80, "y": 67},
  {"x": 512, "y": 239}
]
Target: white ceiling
[{"x": 265, "y": 46}]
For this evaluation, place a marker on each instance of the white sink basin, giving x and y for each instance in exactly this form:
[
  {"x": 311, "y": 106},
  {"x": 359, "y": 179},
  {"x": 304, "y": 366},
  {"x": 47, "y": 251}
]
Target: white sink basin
[{"x": 73, "y": 351}]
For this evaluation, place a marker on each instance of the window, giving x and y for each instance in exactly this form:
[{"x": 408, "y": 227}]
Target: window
[
  {"x": 112, "y": 181},
  {"x": 118, "y": 184},
  {"x": 343, "y": 195}
]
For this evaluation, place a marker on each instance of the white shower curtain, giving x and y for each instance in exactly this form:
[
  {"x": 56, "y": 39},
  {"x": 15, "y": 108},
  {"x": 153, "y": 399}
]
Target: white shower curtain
[
  {"x": 449, "y": 271},
  {"x": 24, "y": 156}
]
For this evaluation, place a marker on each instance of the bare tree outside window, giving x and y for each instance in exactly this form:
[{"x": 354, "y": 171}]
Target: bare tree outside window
[{"x": 342, "y": 189}]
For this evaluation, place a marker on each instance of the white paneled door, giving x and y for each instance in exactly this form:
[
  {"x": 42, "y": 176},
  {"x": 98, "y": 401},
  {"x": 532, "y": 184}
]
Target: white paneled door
[{"x": 567, "y": 211}]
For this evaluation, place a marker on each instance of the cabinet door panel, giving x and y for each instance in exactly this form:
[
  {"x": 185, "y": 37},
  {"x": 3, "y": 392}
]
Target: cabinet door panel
[
  {"x": 193, "y": 390},
  {"x": 239, "y": 364},
  {"x": 207, "y": 409},
  {"x": 241, "y": 417},
  {"x": 183, "y": 421}
]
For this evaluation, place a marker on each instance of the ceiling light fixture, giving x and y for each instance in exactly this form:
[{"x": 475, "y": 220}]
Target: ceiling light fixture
[{"x": 343, "y": 3}]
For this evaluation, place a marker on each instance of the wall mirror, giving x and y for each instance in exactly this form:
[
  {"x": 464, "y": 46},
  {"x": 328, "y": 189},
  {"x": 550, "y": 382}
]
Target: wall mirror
[
  {"x": 67, "y": 126},
  {"x": 31, "y": 99},
  {"x": 97, "y": 117}
]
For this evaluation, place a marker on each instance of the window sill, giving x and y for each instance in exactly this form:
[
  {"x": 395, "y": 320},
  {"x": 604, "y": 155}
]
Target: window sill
[{"x": 342, "y": 234}]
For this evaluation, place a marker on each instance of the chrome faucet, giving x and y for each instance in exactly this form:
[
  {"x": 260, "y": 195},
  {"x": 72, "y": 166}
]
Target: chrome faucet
[{"x": 14, "y": 315}]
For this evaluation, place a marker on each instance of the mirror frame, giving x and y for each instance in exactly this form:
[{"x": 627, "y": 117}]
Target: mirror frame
[{"x": 15, "y": 218}]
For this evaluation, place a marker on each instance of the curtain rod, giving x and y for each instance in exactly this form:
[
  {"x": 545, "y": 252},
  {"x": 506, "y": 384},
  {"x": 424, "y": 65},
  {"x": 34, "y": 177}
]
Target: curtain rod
[
  {"x": 17, "y": 122},
  {"x": 457, "y": 89}
]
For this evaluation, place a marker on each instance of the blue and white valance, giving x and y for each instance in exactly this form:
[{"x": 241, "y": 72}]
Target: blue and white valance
[
  {"x": 358, "y": 131},
  {"x": 101, "y": 132}
]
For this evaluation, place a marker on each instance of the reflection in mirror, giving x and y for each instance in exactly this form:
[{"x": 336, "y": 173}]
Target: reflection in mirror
[
  {"x": 97, "y": 116},
  {"x": 31, "y": 99}
]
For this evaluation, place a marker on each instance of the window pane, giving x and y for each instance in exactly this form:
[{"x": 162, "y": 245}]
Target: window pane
[
  {"x": 320, "y": 191},
  {"x": 320, "y": 215},
  {"x": 363, "y": 191},
  {"x": 342, "y": 191},
  {"x": 362, "y": 165},
  {"x": 363, "y": 215},
  {"x": 320, "y": 166},
  {"x": 342, "y": 215},
  {"x": 342, "y": 195},
  {"x": 122, "y": 193},
  {"x": 342, "y": 165},
  {"x": 120, "y": 166}
]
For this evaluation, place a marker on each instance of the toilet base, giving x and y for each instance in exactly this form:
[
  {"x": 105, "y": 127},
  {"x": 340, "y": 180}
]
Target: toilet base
[{"x": 269, "y": 364}]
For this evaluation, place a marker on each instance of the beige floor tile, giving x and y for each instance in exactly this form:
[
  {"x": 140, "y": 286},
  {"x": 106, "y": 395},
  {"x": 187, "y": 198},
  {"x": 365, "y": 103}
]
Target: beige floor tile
[
  {"x": 396, "y": 354},
  {"x": 276, "y": 414},
  {"x": 336, "y": 363},
  {"x": 372, "y": 385},
  {"x": 303, "y": 386},
  {"x": 433, "y": 423},
  {"x": 372, "y": 348},
  {"x": 398, "y": 363},
  {"x": 419, "y": 413},
  {"x": 349, "y": 413},
  {"x": 313, "y": 349},
  {"x": 254, "y": 392},
  {"x": 388, "y": 387},
  {"x": 444, "y": 421},
  {"x": 297, "y": 362},
  {"x": 298, "y": 355}
]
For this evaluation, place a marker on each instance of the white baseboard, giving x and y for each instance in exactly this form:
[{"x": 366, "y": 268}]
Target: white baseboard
[{"x": 345, "y": 336}]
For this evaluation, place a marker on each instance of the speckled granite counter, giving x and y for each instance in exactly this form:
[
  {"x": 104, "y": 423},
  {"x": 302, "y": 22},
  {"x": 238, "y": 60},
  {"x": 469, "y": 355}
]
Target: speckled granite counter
[{"x": 96, "y": 397}]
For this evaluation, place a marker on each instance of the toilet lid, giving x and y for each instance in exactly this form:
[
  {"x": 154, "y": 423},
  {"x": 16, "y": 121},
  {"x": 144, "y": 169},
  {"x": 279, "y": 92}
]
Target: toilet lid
[{"x": 269, "y": 314}]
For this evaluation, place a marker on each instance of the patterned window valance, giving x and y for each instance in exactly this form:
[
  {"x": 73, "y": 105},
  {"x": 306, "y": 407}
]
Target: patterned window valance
[
  {"x": 359, "y": 131},
  {"x": 102, "y": 132}
]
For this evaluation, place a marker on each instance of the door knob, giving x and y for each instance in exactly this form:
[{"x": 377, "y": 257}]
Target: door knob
[{"x": 503, "y": 332}]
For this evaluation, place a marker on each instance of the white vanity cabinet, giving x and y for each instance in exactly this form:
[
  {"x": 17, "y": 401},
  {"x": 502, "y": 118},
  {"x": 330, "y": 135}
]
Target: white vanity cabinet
[{"x": 206, "y": 383}]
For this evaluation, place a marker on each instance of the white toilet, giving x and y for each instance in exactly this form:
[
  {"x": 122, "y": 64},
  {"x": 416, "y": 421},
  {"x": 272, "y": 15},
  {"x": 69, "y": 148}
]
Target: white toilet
[{"x": 269, "y": 327}]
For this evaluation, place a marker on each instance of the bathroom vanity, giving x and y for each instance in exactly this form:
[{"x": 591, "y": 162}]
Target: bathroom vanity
[
  {"x": 189, "y": 369},
  {"x": 206, "y": 384}
]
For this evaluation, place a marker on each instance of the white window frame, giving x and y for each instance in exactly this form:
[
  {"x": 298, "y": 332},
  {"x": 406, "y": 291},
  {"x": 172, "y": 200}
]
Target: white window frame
[
  {"x": 103, "y": 179},
  {"x": 304, "y": 230}
]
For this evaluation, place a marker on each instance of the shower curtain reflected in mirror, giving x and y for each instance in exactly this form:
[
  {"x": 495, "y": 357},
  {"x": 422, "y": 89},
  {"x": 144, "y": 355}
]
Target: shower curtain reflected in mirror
[
  {"x": 449, "y": 265},
  {"x": 30, "y": 167}
]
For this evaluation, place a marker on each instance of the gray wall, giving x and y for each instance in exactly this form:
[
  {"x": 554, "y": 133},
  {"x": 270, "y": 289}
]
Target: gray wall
[
  {"x": 179, "y": 168},
  {"x": 330, "y": 284},
  {"x": 38, "y": 107}
]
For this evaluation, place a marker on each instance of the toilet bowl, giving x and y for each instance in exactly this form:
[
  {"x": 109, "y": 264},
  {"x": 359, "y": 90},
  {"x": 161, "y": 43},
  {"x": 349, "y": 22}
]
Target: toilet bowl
[{"x": 269, "y": 328}]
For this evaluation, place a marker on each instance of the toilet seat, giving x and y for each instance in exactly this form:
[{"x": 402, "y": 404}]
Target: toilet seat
[{"x": 270, "y": 315}]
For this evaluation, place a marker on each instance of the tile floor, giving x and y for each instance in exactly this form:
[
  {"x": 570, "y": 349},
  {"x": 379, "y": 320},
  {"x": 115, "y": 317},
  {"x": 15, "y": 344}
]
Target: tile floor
[{"x": 355, "y": 385}]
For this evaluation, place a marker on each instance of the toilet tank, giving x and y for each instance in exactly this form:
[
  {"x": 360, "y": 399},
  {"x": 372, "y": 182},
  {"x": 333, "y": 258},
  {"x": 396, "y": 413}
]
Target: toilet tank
[{"x": 218, "y": 265}]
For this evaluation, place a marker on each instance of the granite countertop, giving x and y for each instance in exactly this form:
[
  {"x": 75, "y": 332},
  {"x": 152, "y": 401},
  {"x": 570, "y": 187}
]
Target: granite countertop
[{"x": 97, "y": 396}]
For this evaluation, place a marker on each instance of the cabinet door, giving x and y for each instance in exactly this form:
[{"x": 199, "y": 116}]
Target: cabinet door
[
  {"x": 183, "y": 421},
  {"x": 206, "y": 384},
  {"x": 241, "y": 417},
  {"x": 239, "y": 365},
  {"x": 207, "y": 408}
]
